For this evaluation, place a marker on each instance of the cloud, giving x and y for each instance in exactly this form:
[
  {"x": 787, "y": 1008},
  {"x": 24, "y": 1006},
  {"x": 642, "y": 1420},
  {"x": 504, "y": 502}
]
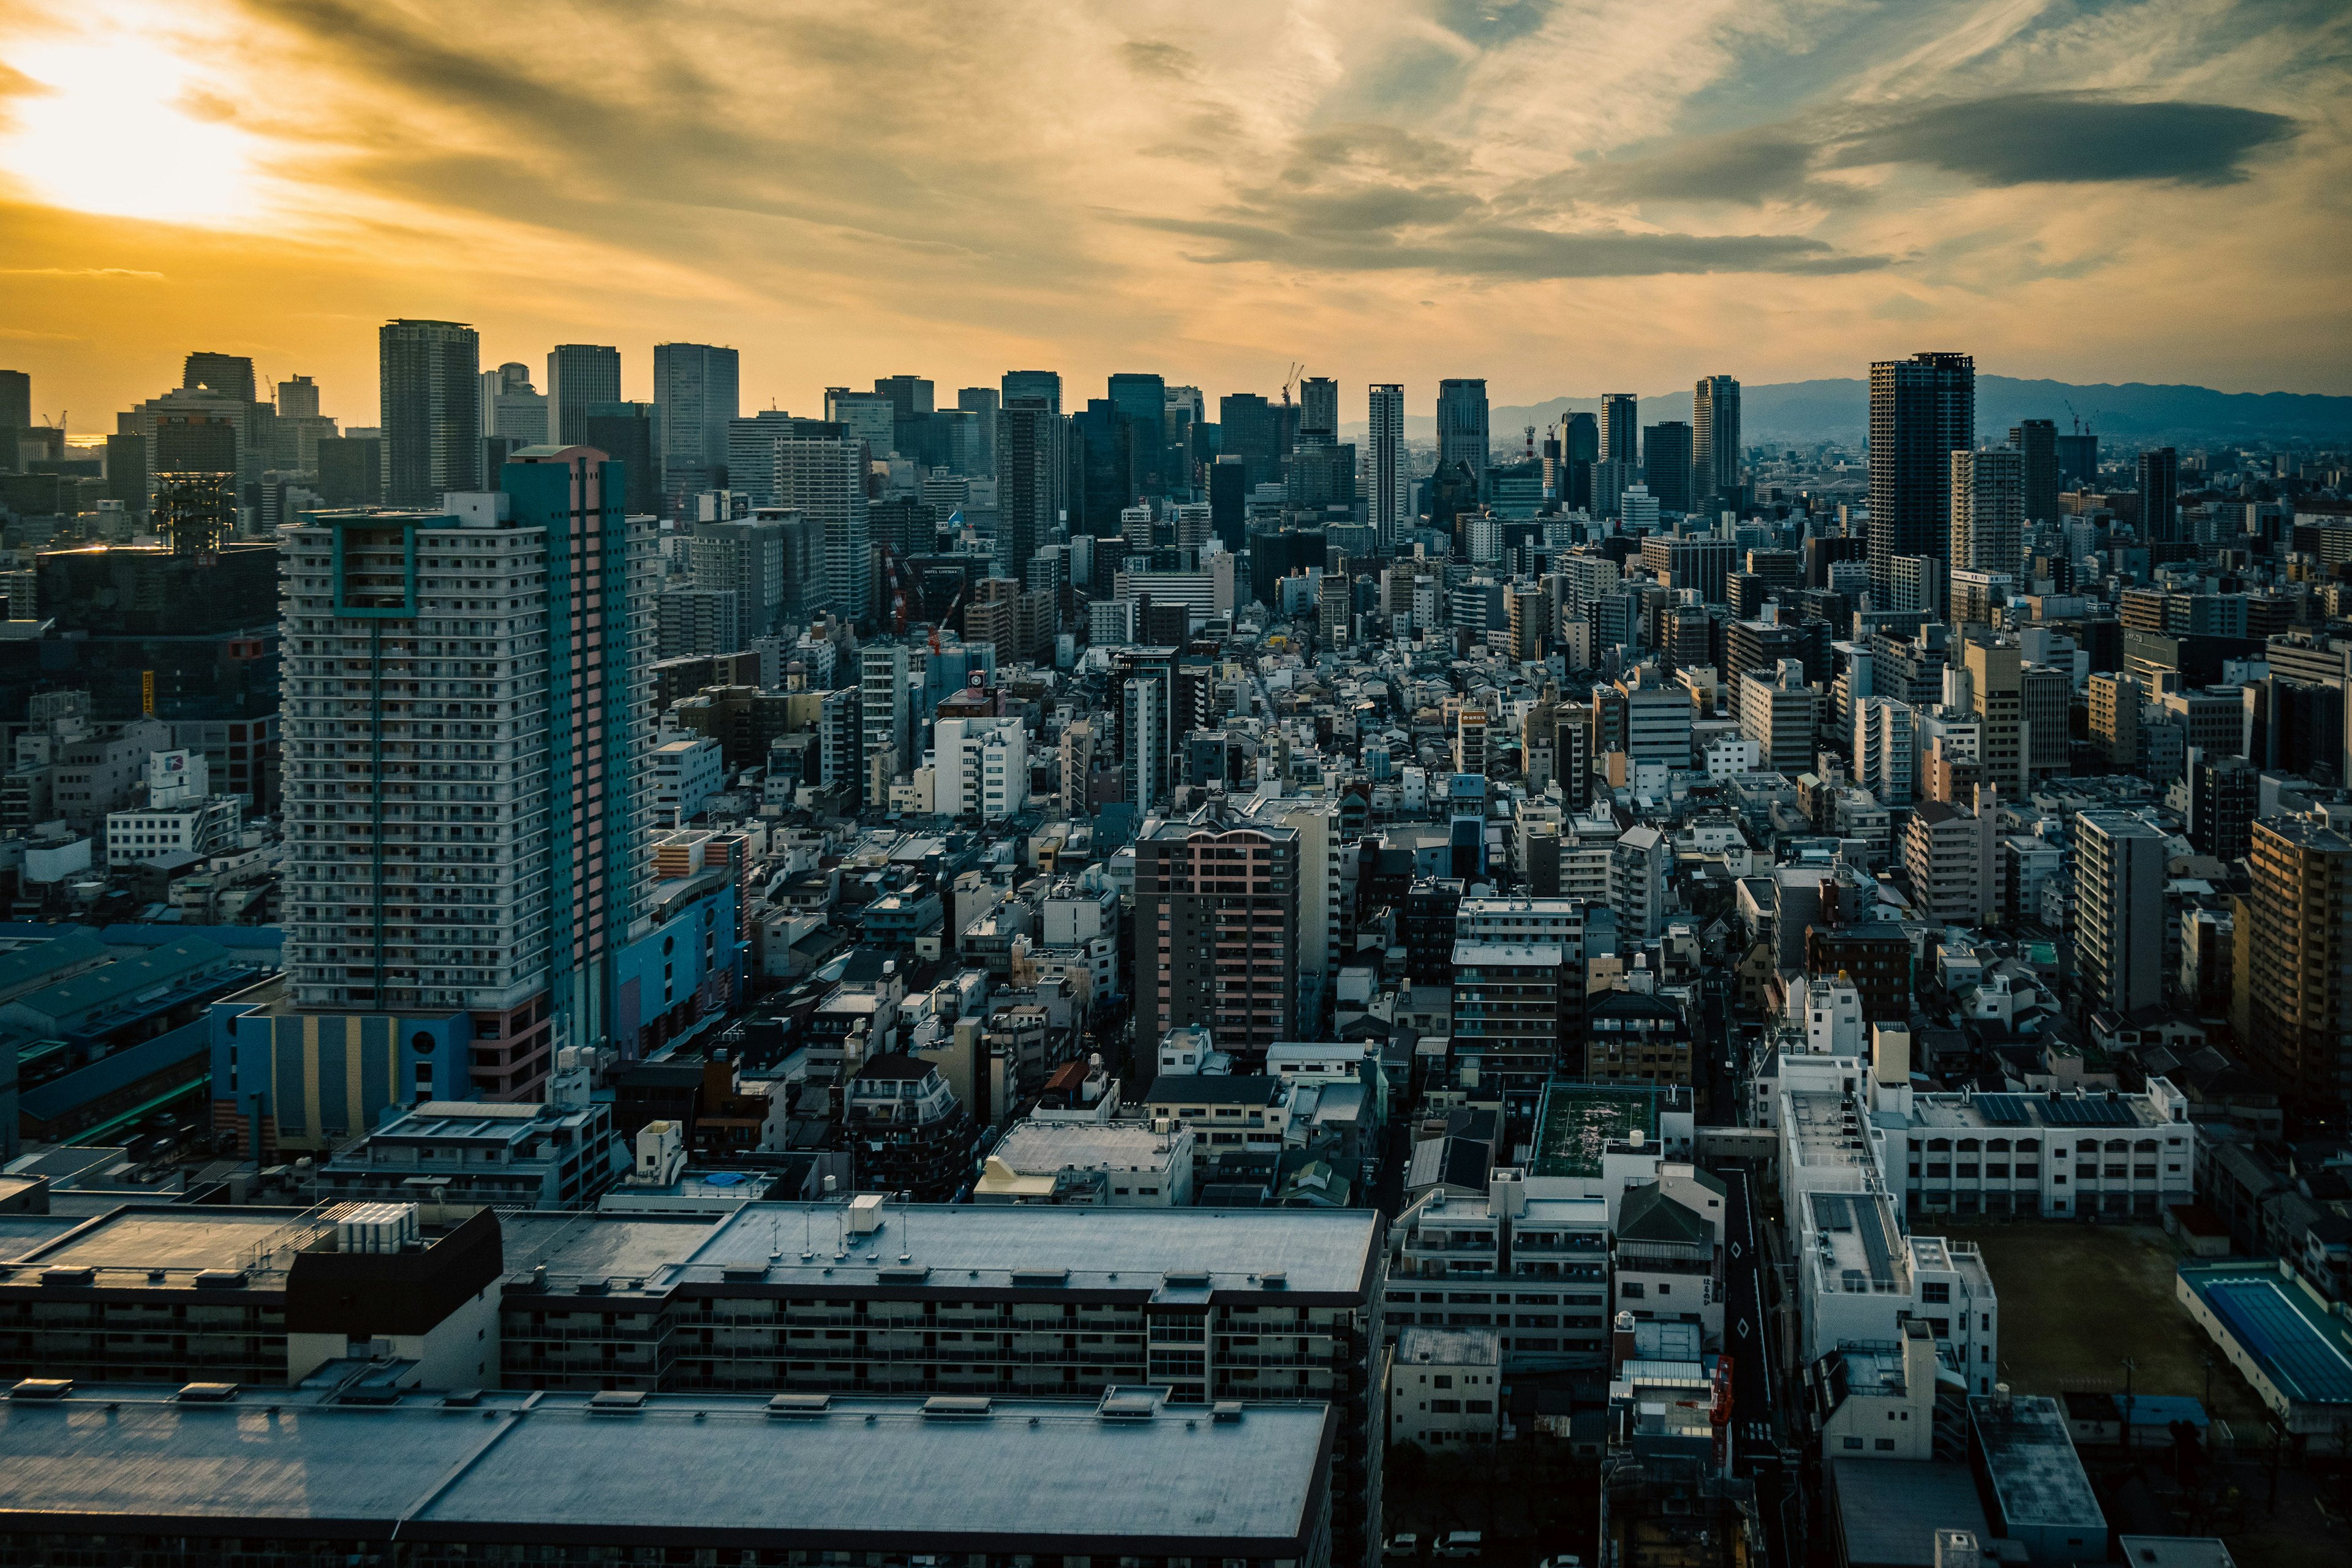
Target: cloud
[
  {"x": 1150, "y": 56},
  {"x": 1494, "y": 251},
  {"x": 1493, "y": 24},
  {"x": 2072, "y": 138},
  {"x": 1747, "y": 167},
  {"x": 80, "y": 272}
]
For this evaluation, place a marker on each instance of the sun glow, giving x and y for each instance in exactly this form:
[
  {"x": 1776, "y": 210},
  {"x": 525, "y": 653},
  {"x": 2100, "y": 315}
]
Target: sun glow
[{"x": 117, "y": 124}]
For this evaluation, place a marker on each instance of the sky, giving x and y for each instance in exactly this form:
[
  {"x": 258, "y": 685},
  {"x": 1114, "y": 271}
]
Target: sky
[{"x": 1565, "y": 196}]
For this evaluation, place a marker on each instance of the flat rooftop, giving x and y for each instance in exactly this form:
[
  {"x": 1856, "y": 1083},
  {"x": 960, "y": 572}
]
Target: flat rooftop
[
  {"x": 678, "y": 1470},
  {"x": 2302, "y": 1349},
  {"x": 1579, "y": 1121},
  {"x": 1889, "y": 1513},
  {"x": 593, "y": 1246},
  {"x": 1087, "y": 1145},
  {"x": 1857, "y": 1244},
  {"x": 1317, "y": 1252},
  {"x": 1824, "y": 1130},
  {"x": 141, "y": 1239},
  {"x": 2036, "y": 1476},
  {"x": 2036, "y": 1112}
]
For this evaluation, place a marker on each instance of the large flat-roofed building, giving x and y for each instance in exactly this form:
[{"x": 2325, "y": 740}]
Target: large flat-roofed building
[
  {"x": 2057, "y": 1156},
  {"x": 1007, "y": 1300},
  {"x": 2292, "y": 1343},
  {"x": 251, "y": 1295},
  {"x": 498, "y": 1476},
  {"x": 2028, "y": 1471}
]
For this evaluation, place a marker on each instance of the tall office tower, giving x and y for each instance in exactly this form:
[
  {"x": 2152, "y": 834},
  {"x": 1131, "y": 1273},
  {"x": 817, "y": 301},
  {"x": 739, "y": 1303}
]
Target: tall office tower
[
  {"x": 1188, "y": 447},
  {"x": 1668, "y": 467},
  {"x": 695, "y": 393},
  {"x": 746, "y": 558},
  {"x": 1988, "y": 511},
  {"x": 1318, "y": 412},
  {"x": 297, "y": 398},
  {"x": 579, "y": 376},
  {"x": 16, "y": 410},
  {"x": 1217, "y": 920},
  {"x": 985, "y": 402},
  {"x": 2293, "y": 940},
  {"x": 751, "y": 452},
  {"x": 823, "y": 476},
  {"x": 2159, "y": 494},
  {"x": 1032, "y": 479},
  {"x": 1462, "y": 432},
  {"x": 1579, "y": 449},
  {"x": 1251, "y": 430},
  {"x": 2078, "y": 461},
  {"x": 1389, "y": 487},
  {"x": 1620, "y": 433},
  {"x": 511, "y": 406},
  {"x": 2120, "y": 896},
  {"x": 231, "y": 375},
  {"x": 1229, "y": 501},
  {"x": 908, "y": 395},
  {"x": 1922, "y": 410},
  {"x": 487, "y": 909},
  {"x": 1714, "y": 441},
  {"x": 431, "y": 410},
  {"x": 1138, "y": 401},
  {"x": 1038, "y": 386},
  {"x": 2036, "y": 441},
  {"x": 624, "y": 432}
]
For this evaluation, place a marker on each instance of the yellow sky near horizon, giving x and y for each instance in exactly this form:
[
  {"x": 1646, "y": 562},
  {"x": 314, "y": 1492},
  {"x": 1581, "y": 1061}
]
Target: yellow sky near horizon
[{"x": 1565, "y": 196}]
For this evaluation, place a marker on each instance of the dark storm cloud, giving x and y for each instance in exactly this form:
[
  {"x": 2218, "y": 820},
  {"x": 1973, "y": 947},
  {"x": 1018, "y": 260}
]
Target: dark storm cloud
[{"x": 2072, "y": 137}]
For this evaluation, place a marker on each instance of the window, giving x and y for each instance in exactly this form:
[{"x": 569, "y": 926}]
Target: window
[
  {"x": 1441, "y": 1381},
  {"x": 1446, "y": 1407},
  {"x": 1853, "y": 1442},
  {"x": 1885, "y": 1445},
  {"x": 1936, "y": 1291}
]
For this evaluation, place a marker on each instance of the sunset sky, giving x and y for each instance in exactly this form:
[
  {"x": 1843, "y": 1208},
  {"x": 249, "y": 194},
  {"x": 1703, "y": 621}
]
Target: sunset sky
[{"x": 1564, "y": 197}]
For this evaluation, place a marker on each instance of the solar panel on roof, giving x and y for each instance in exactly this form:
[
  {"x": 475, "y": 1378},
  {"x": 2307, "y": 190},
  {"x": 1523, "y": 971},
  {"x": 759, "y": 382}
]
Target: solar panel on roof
[
  {"x": 2071, "y": 1111},
  {"x": 2002, "y": 1110}
]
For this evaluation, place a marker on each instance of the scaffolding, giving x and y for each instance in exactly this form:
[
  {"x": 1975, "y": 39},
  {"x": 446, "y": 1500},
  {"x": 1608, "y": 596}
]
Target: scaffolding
[{"x": 195, "y": 511}]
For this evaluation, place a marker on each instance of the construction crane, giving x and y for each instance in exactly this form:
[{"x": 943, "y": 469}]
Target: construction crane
[
  {"x": 1290, "y": 380},
  {"x": 947, "y": 614}
]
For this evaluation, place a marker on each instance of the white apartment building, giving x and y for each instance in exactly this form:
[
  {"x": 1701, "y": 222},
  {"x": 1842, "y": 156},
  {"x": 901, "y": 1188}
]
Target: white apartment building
[
  {"x": 182, "y": 816},
  {"x": 1886, "y": 751},
  {"x": 687, "y": 774},
  {"x": 982, "y": 767},
  {"x": 1529, "y": 1259},
  {"x": 1445, "y": 1387}
]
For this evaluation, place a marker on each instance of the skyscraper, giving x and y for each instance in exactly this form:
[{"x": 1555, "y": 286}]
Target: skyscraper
[
  {"x": 1140, "y": 401},
  {"x": 1988, "y": 510},
  {"x": 1579, "y": 449},
  {"x": 16, "y": 409},
  {"x": 579, "y": 378},
  {"x": 1922, "y": 410},
  {"x": 697, "y": 392},
  {"x": 487, "y": 911},
  {"x": 2036, "y": 441},
  {"x": 431, "y": 410},
  {"x": 2159, "y": 494},
  {"x": 1043, "y": 386},
  {"x": 1621, "y": 435},
  {"x": 824, "y": 476},
  {"x": 1205, "y": 888},
  {"x": 1668, "y": 467},
  {"x": 1032, "y": 479},
  {"x": 1253, "y": 433},
  {"x": 1714, "y": 441},
  {"x": 2078, "y": 461},
  {"x": 984, "y": 401},
  {"x": 1388, "y": 486},
  {"x": 1318, "y": 412},
  {"x": 511, "y": 406},
  {"x": 625, "y": 433},
  {"x": 1461, "y": 432},
  {"x": 230, "y": 373}
]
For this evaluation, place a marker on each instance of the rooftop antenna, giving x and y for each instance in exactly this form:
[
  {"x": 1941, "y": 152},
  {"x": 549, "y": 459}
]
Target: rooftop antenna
[
  {"x": 775, "y": 1239},
  {"x": 808, "y": 1235},
  {"x": 906, "y": 1236}
]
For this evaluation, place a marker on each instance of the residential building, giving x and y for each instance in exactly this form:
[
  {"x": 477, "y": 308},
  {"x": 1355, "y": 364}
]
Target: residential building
[
  {"x": 1947, "y": 854},
  {"x": 1780, "y": 713},
  {"x": 2119, "y": 879},
  {"x": 1886, "y": 751},
  {"x": 1988, "y": 491},
  {"x": 823, "y": 477},
  {"x": 2294, "y": 939},
  {"x": 982, "y": 767},
  {"x": 1922, "y": 410},
  {"x": 1388, "y": 483},
  {"x": 1217, "y": 922},
  {"x": 1714, "y": 441},
  {"x": 1446, "y": 1388}
]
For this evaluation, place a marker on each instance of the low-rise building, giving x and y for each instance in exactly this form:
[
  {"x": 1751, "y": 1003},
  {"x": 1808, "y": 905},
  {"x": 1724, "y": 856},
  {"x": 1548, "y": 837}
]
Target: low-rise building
[
  {"x": 1110, "y": 1164},
  {"x": 1446, "y": 1388}
]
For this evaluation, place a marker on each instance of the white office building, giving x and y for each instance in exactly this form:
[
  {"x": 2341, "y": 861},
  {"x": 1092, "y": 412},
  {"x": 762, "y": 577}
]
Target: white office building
[{"x": 982, "y": 767}]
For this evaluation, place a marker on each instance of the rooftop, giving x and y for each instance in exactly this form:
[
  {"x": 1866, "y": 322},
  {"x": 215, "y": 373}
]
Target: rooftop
[
  {"x": 1449, "y": 1347},
  {"x": 2030, "y": 1462},
  {"x": 1889, "y": 1513},
  {"x": 1857, "y": 1242},
  {"x": 1579, "y": 1121},
  {"x": 839, "y": 1473},
  {"x": 2301, "y": 1346},
  {"x": 138, "y": 1240},
  {"x": 1305, "y": 1253},
  {"x": 1090, "y": 1146},
  {"x": 1824, "y": 1131}
]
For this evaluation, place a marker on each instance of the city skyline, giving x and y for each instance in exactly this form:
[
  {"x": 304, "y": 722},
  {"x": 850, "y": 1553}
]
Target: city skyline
[{"x": 1768, "y": 194}]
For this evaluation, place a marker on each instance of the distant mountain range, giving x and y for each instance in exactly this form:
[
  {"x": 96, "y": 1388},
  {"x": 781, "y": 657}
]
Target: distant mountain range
[{"x": 1839, "y": 410}]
